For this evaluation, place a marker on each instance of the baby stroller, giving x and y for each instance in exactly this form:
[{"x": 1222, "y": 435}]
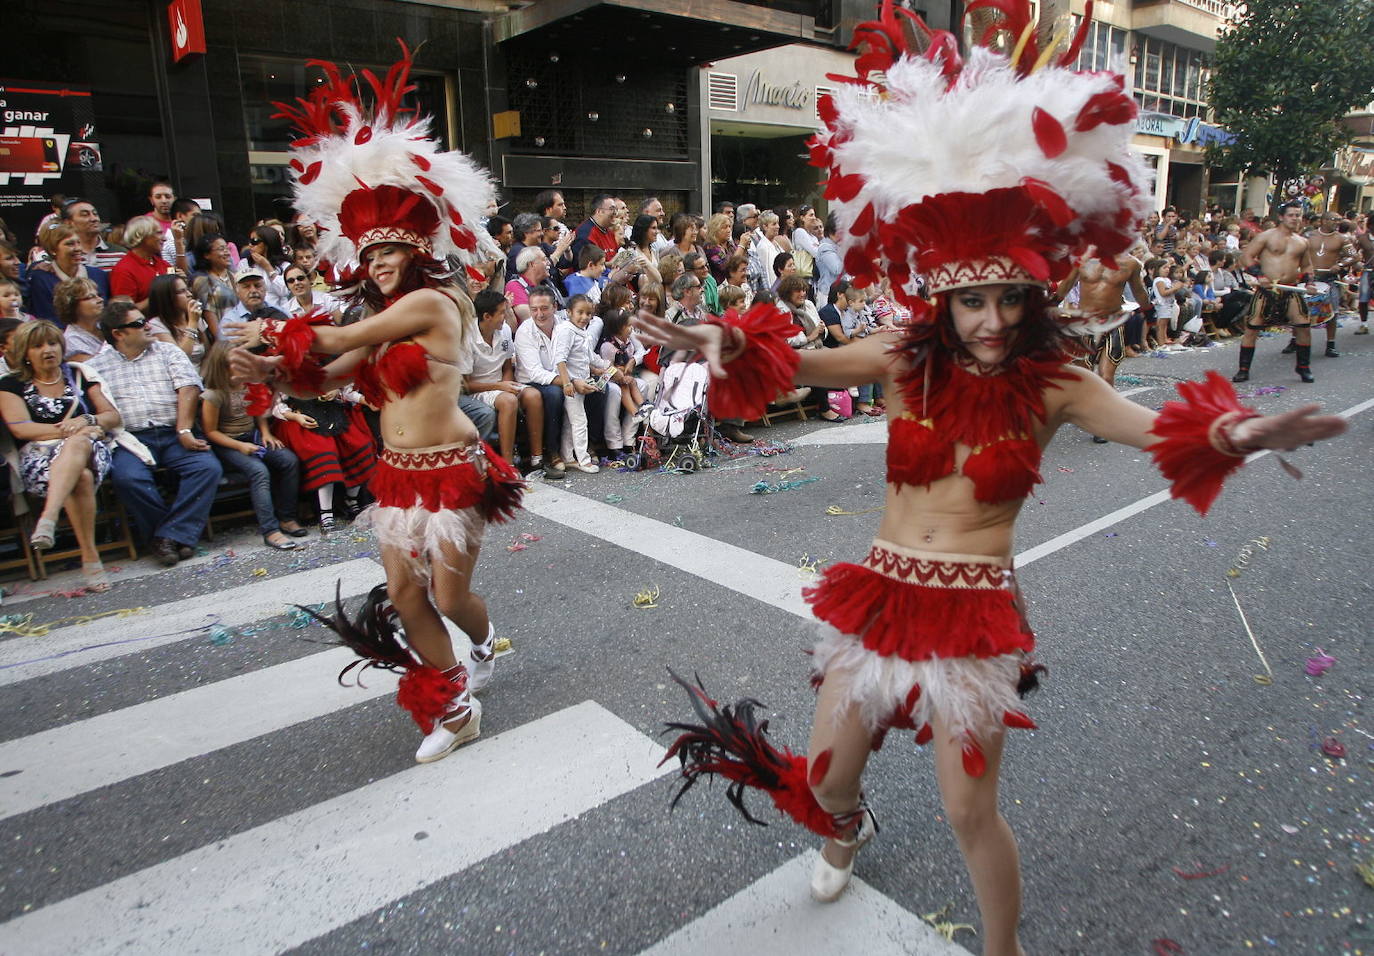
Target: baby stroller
[{"x": 680, "y": 430}]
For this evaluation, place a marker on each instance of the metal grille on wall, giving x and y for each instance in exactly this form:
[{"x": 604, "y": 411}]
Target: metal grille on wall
[{"x": 621, "y": 111}]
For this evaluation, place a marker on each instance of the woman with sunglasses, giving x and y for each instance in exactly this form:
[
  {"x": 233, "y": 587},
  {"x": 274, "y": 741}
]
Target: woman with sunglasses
[
  {"x": 213, "y": 285},
  {"x": 304, "y": 298},
  {"x": 267, "y": 251}
]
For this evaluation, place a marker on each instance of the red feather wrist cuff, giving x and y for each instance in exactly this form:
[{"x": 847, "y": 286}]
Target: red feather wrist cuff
[
  {"x": 761, "y": 365},
  {"x": 292, "y": 340},
  {"x": 1196, "y": 452}
]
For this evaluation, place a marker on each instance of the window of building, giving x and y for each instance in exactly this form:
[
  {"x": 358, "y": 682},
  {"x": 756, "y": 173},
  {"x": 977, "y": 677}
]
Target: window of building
[
  {"x": 1104, "y": 48},
  {"x": 1169, "y": 78}
]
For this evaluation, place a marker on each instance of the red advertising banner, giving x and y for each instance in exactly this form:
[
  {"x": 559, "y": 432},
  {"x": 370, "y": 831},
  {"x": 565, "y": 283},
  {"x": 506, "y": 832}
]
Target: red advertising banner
[
  {"x": 187, "y": 28},
  {"x": 48, "y": 144}
]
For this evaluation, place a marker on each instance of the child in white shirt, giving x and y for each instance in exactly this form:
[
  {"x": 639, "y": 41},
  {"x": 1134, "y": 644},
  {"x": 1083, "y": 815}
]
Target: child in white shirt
[{"x": 572, "y": 351}]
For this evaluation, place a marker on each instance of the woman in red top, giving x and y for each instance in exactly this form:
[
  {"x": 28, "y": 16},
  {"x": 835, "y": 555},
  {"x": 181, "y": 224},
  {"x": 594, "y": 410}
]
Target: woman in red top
[
  {"x": 436, "y": 483},
  {"x": 927, "y": 634}
]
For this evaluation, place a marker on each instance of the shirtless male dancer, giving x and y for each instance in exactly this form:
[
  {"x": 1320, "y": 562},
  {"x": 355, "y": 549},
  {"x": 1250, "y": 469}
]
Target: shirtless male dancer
[
  {"x": 1101, "y": 290},
  {"x": 1279, "y": 256},
  {"x": 1333, "y": 253}
]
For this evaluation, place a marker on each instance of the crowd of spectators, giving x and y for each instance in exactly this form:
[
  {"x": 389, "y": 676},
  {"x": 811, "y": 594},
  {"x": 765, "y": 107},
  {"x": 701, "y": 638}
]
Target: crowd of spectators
[
  {"x": 1200, "y": 285},
  {"x": 559, "y": 379}
]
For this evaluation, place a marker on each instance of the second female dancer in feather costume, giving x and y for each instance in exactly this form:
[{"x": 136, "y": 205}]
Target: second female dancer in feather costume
[{"x": 985, "y": 179}]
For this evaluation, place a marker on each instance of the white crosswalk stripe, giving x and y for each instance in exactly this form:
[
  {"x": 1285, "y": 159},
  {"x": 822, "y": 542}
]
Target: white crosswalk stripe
[
  {"x": 776, "y": 916},
  {"x": 83, "y": 644},
  {"x": 289, "y": 881},
  {"x": 81, "y": 756}
]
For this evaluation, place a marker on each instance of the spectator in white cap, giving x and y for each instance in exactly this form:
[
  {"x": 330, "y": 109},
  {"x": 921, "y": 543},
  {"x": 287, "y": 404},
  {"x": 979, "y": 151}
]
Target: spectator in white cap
[{"x": 250, "y": 284}]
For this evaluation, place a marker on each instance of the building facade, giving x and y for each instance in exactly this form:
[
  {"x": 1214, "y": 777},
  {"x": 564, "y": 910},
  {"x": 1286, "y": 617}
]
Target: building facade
[{"x": 691, "y": 100}]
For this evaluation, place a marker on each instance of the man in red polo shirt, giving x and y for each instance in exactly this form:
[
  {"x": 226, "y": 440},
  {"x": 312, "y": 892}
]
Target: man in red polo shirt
[
  {"x": 133, "y": 276},
  {"x": 597, "y": 229}
]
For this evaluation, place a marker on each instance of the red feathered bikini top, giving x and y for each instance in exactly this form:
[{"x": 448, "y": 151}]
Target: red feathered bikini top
[
  {"x": 397, "y": 368},
  {"x": 994, "y": 415}
]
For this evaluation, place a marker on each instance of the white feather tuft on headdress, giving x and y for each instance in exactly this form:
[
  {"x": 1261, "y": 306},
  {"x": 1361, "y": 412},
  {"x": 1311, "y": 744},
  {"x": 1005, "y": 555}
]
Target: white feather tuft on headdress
[
  {"x": 990, "y": 170},
  {"x": 346, "y": 147}
]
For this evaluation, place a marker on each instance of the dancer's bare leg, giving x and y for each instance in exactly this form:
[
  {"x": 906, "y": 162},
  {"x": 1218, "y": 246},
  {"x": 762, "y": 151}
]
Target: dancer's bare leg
[
  {"x": 986, "y": 840},
  {"x": 841, "y": 731},
  {"x": 425, "y": 630},
  {"x": 454, "y": 597}
]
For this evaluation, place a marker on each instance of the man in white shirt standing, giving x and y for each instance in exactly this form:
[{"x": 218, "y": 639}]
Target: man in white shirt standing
[{"x": 535, "y": 366}]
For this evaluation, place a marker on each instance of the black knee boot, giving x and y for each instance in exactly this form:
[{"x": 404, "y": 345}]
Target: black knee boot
[
  {"x": 1291, "y": 347},
  {"x": 1247, "y": 355},
  {"x": 1304, "y": 366}
]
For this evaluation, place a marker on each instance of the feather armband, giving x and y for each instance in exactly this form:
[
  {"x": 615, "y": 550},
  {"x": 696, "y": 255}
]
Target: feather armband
[
  {"x": 763, "y": 364},
  {"x": 1196, "y": 451},
  {"x": 292, "y": 340},
  {"x": 732, "y": 743}
]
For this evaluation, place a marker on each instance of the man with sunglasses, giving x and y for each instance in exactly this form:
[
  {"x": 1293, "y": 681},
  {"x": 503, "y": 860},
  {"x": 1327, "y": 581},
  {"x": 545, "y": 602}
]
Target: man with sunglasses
[{"x": 157, "y": 392}]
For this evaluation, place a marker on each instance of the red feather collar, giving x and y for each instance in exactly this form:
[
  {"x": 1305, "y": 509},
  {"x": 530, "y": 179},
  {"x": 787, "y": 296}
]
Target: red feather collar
[{"x": 995, "y": 415}]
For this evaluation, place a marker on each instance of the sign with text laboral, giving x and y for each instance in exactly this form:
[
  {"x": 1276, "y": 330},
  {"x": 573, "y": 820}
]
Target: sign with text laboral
[{"x": 47, "y": 145}]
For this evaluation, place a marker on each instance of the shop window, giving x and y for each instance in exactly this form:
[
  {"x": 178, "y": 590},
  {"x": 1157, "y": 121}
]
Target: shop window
[{"x": 1170, "y": 78}]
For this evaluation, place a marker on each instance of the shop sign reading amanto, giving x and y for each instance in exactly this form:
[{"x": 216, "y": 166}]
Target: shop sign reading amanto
[
  {"x": 187, "y": 28},
  {"x": 759, "y": 92}
]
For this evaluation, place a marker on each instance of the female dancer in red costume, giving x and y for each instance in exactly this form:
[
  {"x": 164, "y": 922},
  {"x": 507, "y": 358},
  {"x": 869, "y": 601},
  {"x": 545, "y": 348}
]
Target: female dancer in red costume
[
  {"x": 927, "y": 633},
  {"x": 436, "y": 484}
]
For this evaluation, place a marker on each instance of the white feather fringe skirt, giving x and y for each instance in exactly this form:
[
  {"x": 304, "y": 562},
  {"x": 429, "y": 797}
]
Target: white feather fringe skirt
[
  {"x": 429, "y": 499},
  {"x": 921, "y": 637}
]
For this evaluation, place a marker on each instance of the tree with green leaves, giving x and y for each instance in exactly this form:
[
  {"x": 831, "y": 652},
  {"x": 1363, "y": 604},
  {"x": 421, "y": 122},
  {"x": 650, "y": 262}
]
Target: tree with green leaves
[{"x": 1285, "y": 73}]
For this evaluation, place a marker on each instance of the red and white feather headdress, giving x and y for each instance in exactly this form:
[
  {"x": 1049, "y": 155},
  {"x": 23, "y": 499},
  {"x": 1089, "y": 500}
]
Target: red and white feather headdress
[
  {"x": 998, "y": 169},
  {"x": 373, "y": 174}
]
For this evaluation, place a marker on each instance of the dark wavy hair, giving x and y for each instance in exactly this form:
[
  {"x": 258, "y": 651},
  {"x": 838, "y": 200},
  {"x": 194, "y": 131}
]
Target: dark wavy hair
[
  {"x": 1038, "y": 336},
  {"x": 639, "y": 232}
]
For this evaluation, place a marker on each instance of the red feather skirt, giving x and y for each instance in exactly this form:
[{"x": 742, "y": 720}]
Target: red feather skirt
[
  {"x": 430, "y": 500},
  {"x": 919, "y": 636}
]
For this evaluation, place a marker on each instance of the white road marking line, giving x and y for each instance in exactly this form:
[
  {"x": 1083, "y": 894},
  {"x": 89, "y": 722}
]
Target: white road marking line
[
  {"x": 754, "y": 575},
  {"x": 776, "y": 916},
  {"x": 869, "y": 432},
  {"x": 1062, "y": 541},
  {"x": 1137, "y": 391},
  {"x": 25, "y": 658},
  {"x": 244, "y": 544},
  {"x": 286, "y": 882},
  {"x": 81, "y": 756}
]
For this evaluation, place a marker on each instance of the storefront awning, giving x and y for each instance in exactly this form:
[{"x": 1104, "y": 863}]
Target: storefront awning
[{"x": 685, "y": 32}]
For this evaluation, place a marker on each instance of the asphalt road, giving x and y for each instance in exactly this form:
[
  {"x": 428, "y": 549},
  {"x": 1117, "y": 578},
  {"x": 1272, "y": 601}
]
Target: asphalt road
[{"x": 182, "y": 789}]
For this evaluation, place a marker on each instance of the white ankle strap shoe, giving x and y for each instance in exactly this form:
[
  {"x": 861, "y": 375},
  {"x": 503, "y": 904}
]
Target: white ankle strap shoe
[
  {"x": 483, "y": 658},
  {"x": 828, "y": 881}
]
